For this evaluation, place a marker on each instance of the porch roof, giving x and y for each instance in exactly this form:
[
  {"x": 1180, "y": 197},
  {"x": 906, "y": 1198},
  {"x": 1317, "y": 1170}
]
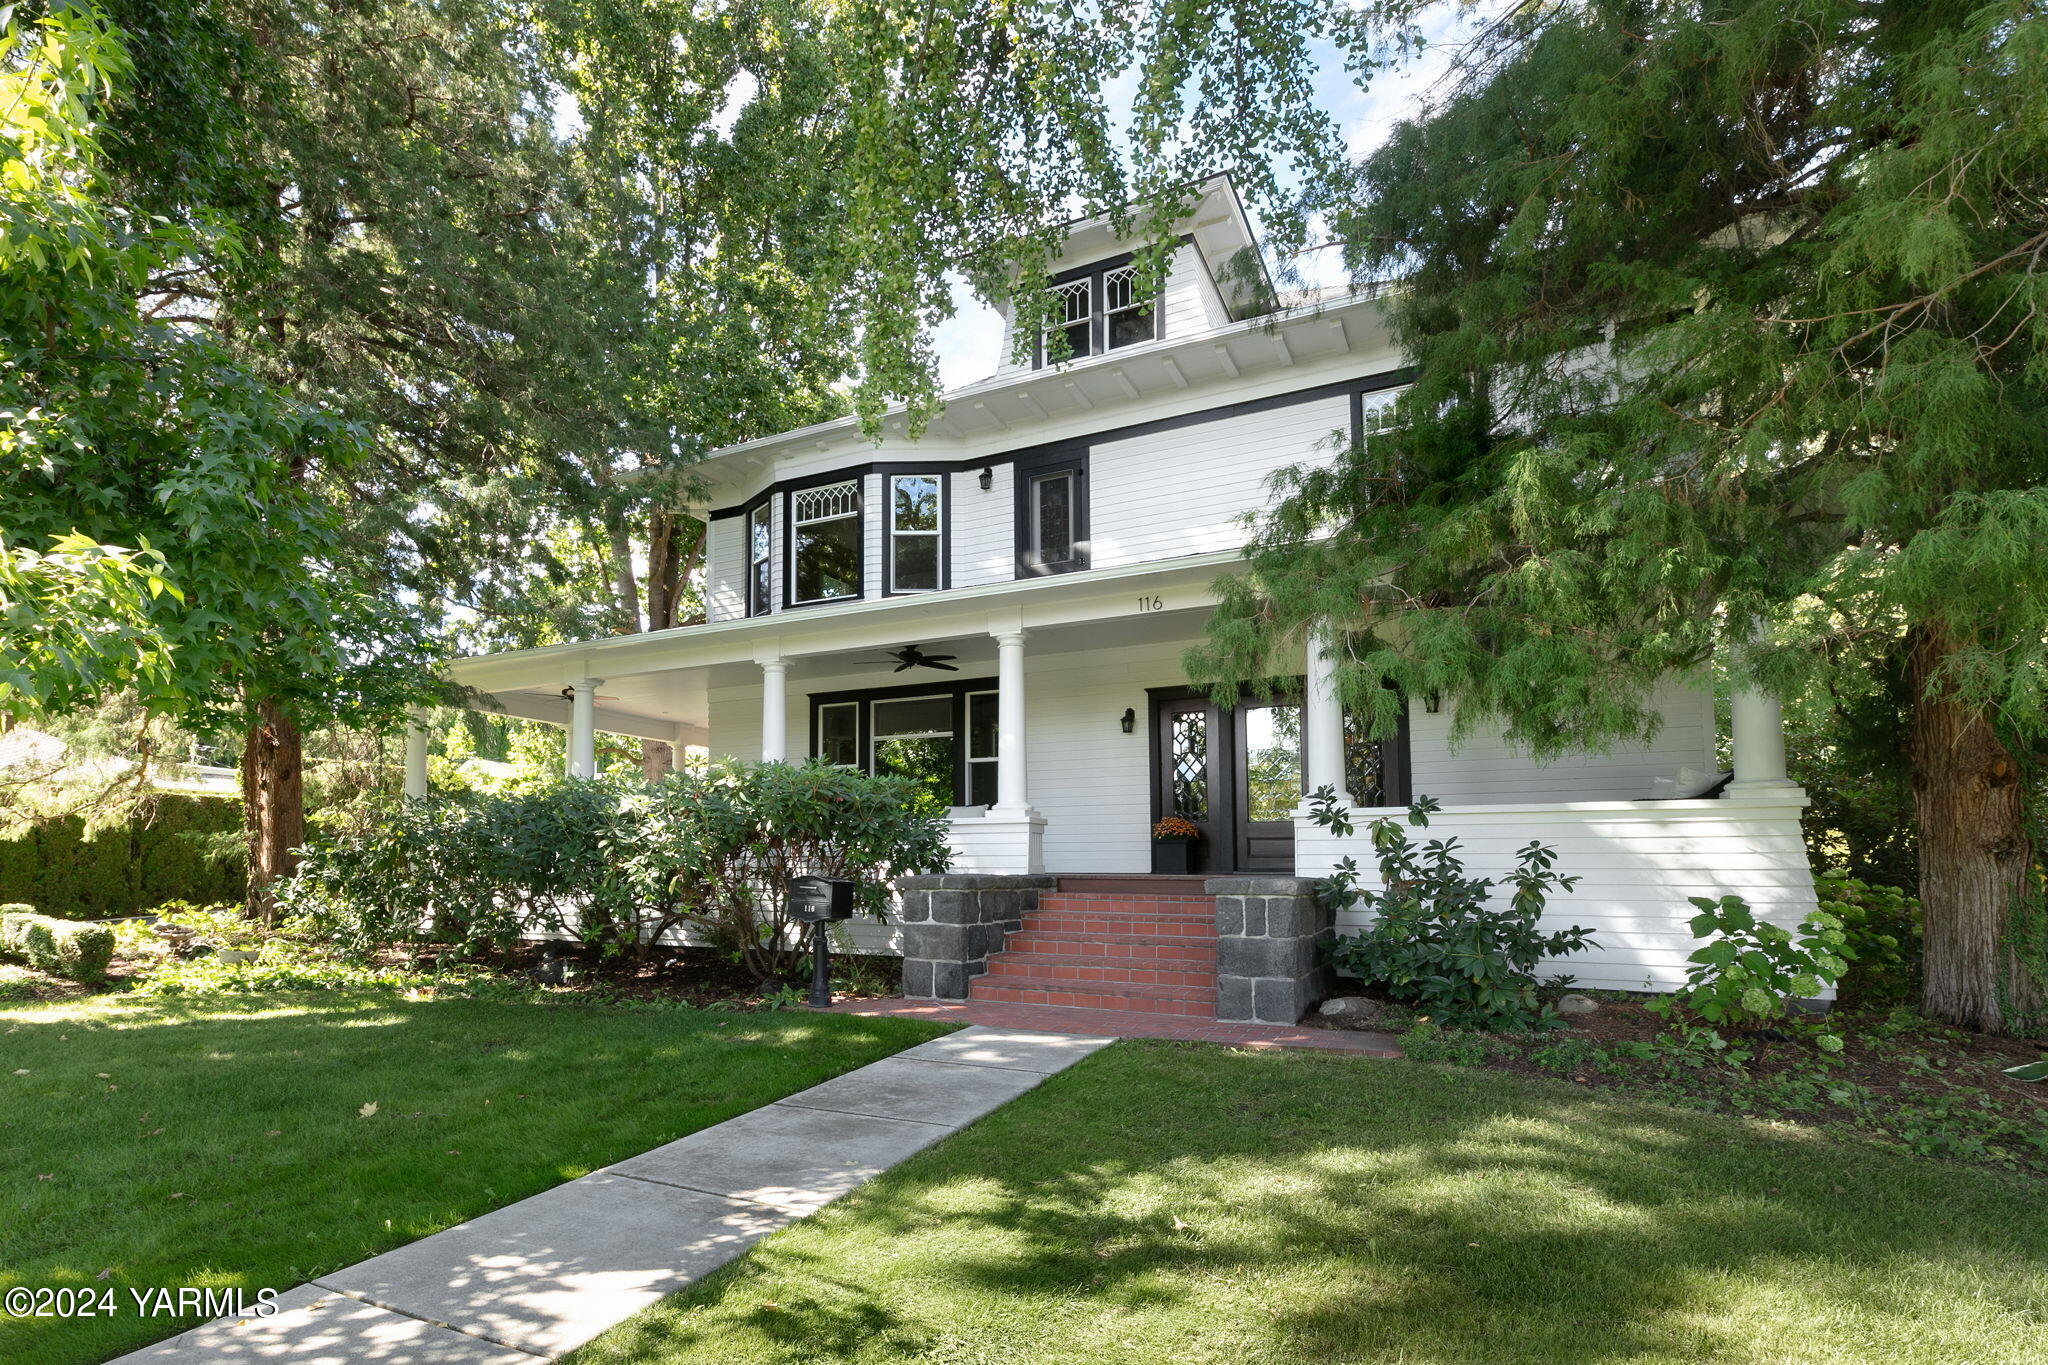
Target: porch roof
[{"x": 656, "y": 685}]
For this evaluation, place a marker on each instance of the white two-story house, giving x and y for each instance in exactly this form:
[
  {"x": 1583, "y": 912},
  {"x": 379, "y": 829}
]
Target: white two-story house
[{"x": 1000, "y": 607}]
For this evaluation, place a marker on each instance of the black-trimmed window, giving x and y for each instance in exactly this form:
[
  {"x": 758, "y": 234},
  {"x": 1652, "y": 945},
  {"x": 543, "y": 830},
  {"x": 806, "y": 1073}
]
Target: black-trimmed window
[
  {"x": 941, "y": 735},
  {"x": 824, "y": 543},
  {"x": 1098, "y": 308},
  {"x": 914, "y": 539},
  {"x": 760, "y": 524},
  {"x": 1052, "y": 511},
  {"x": 1376, "y": 771},
  {"x": 1372, "y": 412}
]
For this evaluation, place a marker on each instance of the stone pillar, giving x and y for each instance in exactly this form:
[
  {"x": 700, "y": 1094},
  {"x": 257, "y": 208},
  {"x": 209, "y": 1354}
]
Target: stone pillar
[
  {"x": 415, "y": 757},
  {"x": 951, "y": 924},
  {"x": 1271, "y": 936},
  {"x": 1323, "y": 722},
  {"x": 583, "y": 729},
  {"x": 774, "y": 710},
  {"x": 1013, "y": 797}
]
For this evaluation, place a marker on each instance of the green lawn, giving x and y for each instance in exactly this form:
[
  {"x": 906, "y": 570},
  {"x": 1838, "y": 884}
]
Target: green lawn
[
  {"x": 1180, "y": 1203},
  {"x": 226, "y": 1144}
]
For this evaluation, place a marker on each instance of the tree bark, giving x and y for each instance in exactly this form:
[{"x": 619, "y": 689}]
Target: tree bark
[
  {"x": 1974, "y": 850},
  {"x": 273, "y": 805}
]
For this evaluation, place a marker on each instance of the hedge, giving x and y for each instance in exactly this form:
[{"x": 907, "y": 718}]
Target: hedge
[
  {"x": 79, "y": 951},
  {"x": 129, "y": 868}
]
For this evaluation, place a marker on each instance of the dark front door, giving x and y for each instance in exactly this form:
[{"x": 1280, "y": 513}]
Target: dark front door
[
  {"x": 1193, "y": 780},
  {"x": 1267, "y": 784},
  {"x": 1235, "y": 774}
]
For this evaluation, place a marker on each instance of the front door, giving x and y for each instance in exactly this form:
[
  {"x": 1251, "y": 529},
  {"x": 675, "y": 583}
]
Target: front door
[
  {"x": 1267, "y": 784},
  {"x": 1235, "y": 774},
  {"x": 1193, "y": 779}
]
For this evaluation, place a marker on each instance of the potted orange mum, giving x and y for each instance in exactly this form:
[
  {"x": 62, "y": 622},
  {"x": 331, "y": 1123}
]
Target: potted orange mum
[{"x": 1173, "y": 846}]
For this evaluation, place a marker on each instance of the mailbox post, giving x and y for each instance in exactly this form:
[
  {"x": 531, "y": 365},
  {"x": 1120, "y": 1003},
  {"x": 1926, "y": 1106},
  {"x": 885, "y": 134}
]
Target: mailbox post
[{"x": 818, "y": 901}]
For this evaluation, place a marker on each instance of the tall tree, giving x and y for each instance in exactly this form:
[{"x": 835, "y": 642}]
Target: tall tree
[
  {"x": 159, "y": 540},
  {"x": 1726, "y": 311}
]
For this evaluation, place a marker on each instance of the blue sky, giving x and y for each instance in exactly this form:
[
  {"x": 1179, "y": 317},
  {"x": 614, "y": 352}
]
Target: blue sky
[{"x": 968, "y": 343}]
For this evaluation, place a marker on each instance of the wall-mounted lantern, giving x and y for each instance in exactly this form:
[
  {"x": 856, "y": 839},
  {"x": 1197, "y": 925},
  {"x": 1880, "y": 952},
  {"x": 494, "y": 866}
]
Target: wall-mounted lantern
[
  {"x": 988, "y": 478},
  {"x": 1130, "y": 720},
  {"x": 1432, "y": 703}
]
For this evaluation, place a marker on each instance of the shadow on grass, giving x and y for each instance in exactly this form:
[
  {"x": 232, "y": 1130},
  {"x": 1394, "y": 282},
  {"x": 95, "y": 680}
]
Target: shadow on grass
[{"x": 1172, "y": 1202}]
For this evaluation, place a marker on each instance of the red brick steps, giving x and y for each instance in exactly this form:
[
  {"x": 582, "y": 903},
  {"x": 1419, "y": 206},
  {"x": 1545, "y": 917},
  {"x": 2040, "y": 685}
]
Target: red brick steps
[{"x": 1135, "y": 944}]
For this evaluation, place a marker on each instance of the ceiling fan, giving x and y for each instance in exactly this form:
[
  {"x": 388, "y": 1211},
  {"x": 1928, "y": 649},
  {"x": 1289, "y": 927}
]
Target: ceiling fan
[{"x": 910, "y": 656}]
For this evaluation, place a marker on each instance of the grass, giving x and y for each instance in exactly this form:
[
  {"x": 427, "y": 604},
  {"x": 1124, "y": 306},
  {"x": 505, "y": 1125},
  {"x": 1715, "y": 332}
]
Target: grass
[
  {"x": 1173, "y": 1202},
  {"x": 226, "y": 1143}
]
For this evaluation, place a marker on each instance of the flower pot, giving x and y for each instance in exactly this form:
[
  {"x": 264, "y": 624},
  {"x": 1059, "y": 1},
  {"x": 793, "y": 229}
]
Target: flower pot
[{"x": 1173, "y": 857}]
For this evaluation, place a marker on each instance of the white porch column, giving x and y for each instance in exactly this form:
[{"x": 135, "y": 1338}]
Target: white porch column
[
  {"x": 774, "y": 710},
  {"x": 583, "y": 729},
  {"x": 1012, "y": 788},
  {"x": 415, "y": 756},
  {"x": 1324, "y": 738},
  {"x": 1756, "y": 735}
]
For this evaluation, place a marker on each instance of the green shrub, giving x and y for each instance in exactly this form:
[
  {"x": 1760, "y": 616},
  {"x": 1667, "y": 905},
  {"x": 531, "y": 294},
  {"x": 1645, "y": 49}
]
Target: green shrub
[
  {"x": 16, "y": 983},
  {"x": 1881, "y": 939},
  {"x": 1436, "y": 942},
  {"x": 1753, "y": 967},
  {"x": 616, "y": 863},
  {"x": 64, "y": 947},
  {"x": 182, "y": 850}
]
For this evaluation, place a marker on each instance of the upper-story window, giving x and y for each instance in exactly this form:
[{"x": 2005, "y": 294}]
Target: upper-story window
[
  {"x": 1098, "y": 308},
  {"x": 916, "y": 547},
  {"x": 760, "y": 558},
  {"x": 1052, "y": 510},
  {"x": 824, "y": 543}
]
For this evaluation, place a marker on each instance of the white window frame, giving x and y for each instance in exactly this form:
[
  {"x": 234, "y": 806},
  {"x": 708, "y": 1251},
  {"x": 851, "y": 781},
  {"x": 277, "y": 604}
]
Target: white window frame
[
  {"x": 856, "y": 708},
  {"x": 1376, "y": 411},
  {"x": 1038, "y": 519},
  {"x": 876, "y": 737},
  {"x": 763, "y": 518},
  {"x": 797, "y": 522},
  {"x": 937, "y": 535},
  {"x": 967, "y": 740},
  {"x": 1124, "y": 277},
  {"x": 1060, "y": 321}
]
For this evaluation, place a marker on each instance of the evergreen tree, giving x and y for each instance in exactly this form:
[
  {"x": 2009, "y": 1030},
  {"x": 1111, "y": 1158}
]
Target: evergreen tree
[{"x": 1721, "y": 313}]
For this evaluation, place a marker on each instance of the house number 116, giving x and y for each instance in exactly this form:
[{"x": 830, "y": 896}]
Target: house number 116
[{"x": 1150, "y": 604}]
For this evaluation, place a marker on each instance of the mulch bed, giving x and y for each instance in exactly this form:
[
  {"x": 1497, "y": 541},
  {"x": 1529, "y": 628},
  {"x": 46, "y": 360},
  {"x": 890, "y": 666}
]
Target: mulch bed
[{"x": 695, "y": 976}]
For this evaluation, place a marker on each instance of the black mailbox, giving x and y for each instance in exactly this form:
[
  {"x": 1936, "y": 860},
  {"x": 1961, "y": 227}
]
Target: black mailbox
[{"x": 814, "y": 900}]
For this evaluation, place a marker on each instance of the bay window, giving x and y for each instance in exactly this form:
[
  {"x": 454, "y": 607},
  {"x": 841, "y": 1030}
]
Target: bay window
[
  {"x": 916, "y": 532},
  {"x": 825, "y": 543},
  {"x": 760, "y": 559}
]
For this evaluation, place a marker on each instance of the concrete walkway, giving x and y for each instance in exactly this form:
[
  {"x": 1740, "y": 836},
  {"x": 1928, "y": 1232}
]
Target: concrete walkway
[{"x": 536, "y": 1279}]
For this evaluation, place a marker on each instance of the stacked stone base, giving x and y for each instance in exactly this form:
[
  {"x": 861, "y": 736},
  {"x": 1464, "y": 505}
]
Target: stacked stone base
[
  {"x": 1272, "y": 940},
  {"x": 953, "y": 923}
]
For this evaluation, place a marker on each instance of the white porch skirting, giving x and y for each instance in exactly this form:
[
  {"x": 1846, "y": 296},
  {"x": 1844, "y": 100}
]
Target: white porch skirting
[
  {"x": 1638, "y": 862},
  {"x": 995, "y": 843}
]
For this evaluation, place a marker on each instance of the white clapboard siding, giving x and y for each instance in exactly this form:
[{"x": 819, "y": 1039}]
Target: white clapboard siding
[
  {"x": 1185, "y": 299},
  {"x": 1485, "y": 769},
  {"x": 983, "y": 527},
  {"x": 725, "y": 569},
  {"x": 1638, "y": 862},
  {"x": 1185, "y": 490}
]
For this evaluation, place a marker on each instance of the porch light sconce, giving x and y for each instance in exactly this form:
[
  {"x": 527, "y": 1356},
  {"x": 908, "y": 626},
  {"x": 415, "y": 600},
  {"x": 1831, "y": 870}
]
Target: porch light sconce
[
  {"x": 988, "y": 478},
  {"x": 1431, "y": 703},
  {"x": 1130, "y": 720}
]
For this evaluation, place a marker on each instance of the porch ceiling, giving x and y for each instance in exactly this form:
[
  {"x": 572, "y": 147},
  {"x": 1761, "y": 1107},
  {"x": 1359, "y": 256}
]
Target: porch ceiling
[{"x": 650, "y": 685}]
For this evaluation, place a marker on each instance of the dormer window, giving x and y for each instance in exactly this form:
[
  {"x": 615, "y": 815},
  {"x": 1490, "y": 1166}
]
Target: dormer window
[
  {"x": 1098, "y": 308},
  {"x": 1129, "y": 317},
  {"x": 1074, "y": 314},
  {"x": 824, "y": 543}
]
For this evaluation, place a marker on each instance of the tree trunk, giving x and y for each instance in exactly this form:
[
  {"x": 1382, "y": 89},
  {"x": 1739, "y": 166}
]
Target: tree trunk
[
  {"x": 1974, "y": 850},
  {"x": 273, "y": 805}
]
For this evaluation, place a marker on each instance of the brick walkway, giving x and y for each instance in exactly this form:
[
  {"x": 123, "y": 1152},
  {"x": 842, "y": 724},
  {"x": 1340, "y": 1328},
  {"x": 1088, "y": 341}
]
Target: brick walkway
[{"x": 1127, "y": 1024}]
